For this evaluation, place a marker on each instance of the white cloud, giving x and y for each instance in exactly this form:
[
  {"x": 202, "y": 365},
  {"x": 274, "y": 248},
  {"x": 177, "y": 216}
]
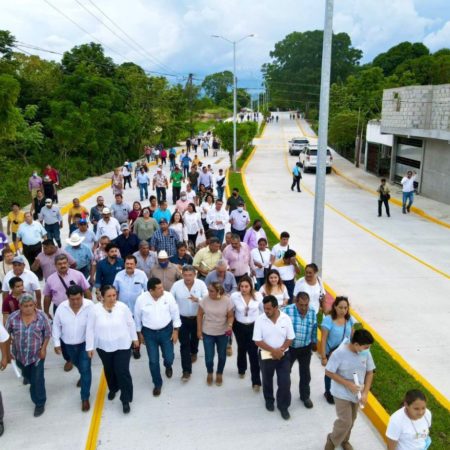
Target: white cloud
[{"x": 438, "y": 39}]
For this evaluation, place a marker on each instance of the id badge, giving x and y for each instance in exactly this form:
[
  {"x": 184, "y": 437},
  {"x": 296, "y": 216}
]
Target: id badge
[{"x": 427, "y": 442}]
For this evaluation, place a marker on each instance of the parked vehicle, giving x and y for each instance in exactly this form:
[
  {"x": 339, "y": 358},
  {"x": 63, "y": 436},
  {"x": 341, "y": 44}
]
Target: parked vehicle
[
  {"x": 296, "y": 145},
  {"x": 308, "y": 158}
]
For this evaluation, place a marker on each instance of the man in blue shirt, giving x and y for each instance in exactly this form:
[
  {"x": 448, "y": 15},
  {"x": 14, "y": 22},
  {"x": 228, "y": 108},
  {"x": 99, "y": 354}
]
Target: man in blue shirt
[
  {"x": 81, "y": 253},
  {"x": 296, "y": 177},
  {"x": 165, "y": 238},
  {"x": 128, "y": 242},
  {"x": 108, "y": 267},
  {"x": 162, "y": 212},
  {"x": 305, "y": 328}
]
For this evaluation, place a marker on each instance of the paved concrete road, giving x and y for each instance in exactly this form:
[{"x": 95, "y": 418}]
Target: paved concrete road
[{"x": 401, "y": 297}]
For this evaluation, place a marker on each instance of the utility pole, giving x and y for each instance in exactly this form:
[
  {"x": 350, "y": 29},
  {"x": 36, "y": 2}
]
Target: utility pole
[
  {"x": 190, "y": 91},
  {"x": 319, "y": 199}
]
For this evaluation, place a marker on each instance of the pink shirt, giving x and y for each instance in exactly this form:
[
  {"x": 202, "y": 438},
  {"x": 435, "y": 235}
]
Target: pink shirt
[
  {"x": 240, "y": 260},
  {"x": 47, "y": 262},
  {"x": 55, "y": 289}
]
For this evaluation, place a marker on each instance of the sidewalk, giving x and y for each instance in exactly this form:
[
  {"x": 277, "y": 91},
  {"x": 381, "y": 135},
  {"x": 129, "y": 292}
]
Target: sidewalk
[{"x": 430, "y": 209}]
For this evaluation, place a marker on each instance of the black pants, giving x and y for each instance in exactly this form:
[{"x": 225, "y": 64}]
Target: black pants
[
  {"x": 290, "y": 285},
  {"x": 126, "y": 180},
  {"x": 240, "y": 233},
  {"x": 296, "y": 182},
  {"x": 246, "y": 344},
  {"x": 283, "y": 369},
  {"x": 188, "y": 342},
  {"x": 175, "y": 193},
  {"x": 116, "y": 366},
  {"x": 193, "y": 238},
  {"x": 303, "y": 356},
  {"x": 31, "y": 251},
  {"x": 386, "y": 205},
  {"x": 161, "y": 194}
]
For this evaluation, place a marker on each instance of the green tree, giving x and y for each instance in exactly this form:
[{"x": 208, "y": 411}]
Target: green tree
[
  {"x": 9, "y": 114},
  {"x": 217, "y": 85},
  {"x": 342, "y": 132},
  {"x": 7, "y": 42}
]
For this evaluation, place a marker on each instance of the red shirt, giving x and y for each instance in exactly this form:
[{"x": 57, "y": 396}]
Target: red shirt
[
  {"x": 52, "y": 173},
  {"x": 10, "y": 304}
]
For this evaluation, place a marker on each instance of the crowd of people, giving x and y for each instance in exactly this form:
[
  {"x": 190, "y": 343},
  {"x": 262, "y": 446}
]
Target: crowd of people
[{"x": 145, "y": 275}]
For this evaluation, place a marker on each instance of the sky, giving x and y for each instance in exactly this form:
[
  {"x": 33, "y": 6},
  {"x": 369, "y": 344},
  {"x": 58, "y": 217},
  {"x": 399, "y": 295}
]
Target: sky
[{"x": 174, "y": 36}]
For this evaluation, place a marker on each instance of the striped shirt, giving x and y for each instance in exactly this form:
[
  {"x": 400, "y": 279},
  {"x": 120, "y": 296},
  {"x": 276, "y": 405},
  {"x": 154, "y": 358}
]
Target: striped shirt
[
  {"x": 28, "y": 339},
  {"x": 160, "y": 241},
  {"x": 305, "y": 327}
]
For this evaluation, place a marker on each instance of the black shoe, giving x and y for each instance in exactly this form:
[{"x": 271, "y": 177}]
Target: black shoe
[
  {"x": 408, "y": 208},
  {"x": 126, "y": 408},
  {"x": 379, "y": 215},
  {"x": 111, "y": 395},
  {"x": 156, "y": 392},
  {"x": 270, "y": 407},
  {"x": 329, "y": 398},
  {"x": 308, "y": 403},
  {"x": 25, "y": 381},
  {"x": 292, "y": 189},
  {"x": 389, "y": 215},
  {"x": 39, "y": 410},
  {"x": 404, "y": 211},
  {"x": 285, "y": 414},
  {"x": 2, "y": 428},
  {"x": 169, "y": 372},
  {"x": 136, "y": 353}
]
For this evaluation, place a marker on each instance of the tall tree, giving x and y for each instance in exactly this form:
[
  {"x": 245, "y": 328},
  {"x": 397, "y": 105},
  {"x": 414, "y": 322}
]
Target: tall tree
[{"x": 217, "y": 85}]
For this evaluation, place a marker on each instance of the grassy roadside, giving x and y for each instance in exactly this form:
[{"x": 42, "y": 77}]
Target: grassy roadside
[{"x": 391, "y": 380}]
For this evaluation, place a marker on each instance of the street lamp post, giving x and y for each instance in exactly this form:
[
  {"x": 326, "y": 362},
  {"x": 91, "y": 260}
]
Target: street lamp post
[{"x": 233, "y": 43}]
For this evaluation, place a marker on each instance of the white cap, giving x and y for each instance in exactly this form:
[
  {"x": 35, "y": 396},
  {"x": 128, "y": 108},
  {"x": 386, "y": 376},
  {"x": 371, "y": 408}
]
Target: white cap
[
  {"x": 106, "y": 211},
  {"x": 163, "y": 255}
]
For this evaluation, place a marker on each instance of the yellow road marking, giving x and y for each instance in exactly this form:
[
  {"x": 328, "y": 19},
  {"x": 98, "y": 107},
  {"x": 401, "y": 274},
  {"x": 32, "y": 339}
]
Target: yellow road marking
[{"x": 94, "y": 428}]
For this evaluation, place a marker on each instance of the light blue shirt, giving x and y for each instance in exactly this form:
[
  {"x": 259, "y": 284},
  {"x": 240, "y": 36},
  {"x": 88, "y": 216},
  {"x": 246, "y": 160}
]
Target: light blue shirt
[
  {"x": 159, "y": 214},
  {"x": 143, "y": 178},
  {"x": 49, "y": 216},
  {"x": 82, "y": 255},
  {"x": 31, "y": 234},
  {"x": 130, "y": 287},
  {"x": 89, "y": 237},
  {"x": 336, "y": 333}
]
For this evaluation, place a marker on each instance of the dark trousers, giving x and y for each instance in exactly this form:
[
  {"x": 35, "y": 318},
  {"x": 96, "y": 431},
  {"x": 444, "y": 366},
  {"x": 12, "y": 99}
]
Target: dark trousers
[
  {"x": 296, "y": 183},
  {"x": 246, "y": 344},
  {"x": 126, "y": 180},
  {"x": 154, "y": 339},
  {"x": 283, "y": 368},
  {"x": 31, "y": 251},
  {"x": 193, "y": 238},
  {"x": 303, "y": 356},
  {"x": 240, "y": 233},
  {"x": 386, "y": 205},
  {"x": 82, "y": 362},
  {"x": 116, "y": 366},
  {"x": 188, "y": 341},
  {"x": 175, "y": 193},
  {"x": 34, "y": 373},
  {"x": 53, "y": 233},
  {"x": 63, "y": 345},
  {"x": 220, "y": 190},
  {"x": 161, "y": 194},
  {"x": 290, "y": 285},
  {"x": 185, "y": 171}
]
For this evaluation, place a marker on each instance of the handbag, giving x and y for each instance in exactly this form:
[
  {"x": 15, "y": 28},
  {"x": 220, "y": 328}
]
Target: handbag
[{"x": 265, "y": 269}]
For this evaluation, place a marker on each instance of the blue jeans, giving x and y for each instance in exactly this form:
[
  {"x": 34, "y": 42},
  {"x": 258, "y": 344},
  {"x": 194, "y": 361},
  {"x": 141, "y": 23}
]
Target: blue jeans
[
  {"x": 408, "y": 196},
  {"x": 34, "y": 373},
  {"x": 209, "y": 344},
  {"x": 219, "y": 234},
  {"x": 143, "y": 191},
  {"x": 53, "y": 232},
  {"x": 259, "y": 283},
  {"x": 220, "y": 192},
  {"x": 82, "y": 362},
  {"x": 153, "y": 340}
]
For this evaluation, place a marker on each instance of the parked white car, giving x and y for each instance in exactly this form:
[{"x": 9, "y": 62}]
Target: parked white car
[
  {"x": 308, "y": 158},
  {"x": 296, "y": 145}
]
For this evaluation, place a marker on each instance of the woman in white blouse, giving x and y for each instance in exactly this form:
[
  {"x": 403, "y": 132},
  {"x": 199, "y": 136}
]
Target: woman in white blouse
[
  {"x": 193, "y": 224},
  {"x": 261, "y": 259},
  {"x": 312, "y": 285},
  {"x": 111, "y": 330},
  {"x": 247, "y": 307},
  {"x": 205, "y": 206},
  {"x": 274, "y": 286},
  {"x": 177, "y": 225}
]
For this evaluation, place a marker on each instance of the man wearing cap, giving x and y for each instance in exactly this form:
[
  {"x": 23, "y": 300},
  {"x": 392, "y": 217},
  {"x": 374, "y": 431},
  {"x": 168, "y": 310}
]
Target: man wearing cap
[
  {"x": 142, "y": 181},
  {"x": 77, "y": 208},
  {"x": 31, "y": 234},
  {"x": 81, "y": 253},
  {"x": 108, "y": 267},
  {"x": 161, "y": 183},
  {"x": 120, "y": 210},
  {"x": 176, "y": 178},
  {"x": 126, "y": 174},
  {"x": 239, "y": 220},
  {"x": 30, "y": 332},
  {"x": 145, "y": 258},
  {"x": 88, "y": 235},
  {"x": 107, "y": 226},
  {"x": 165, "y": 238},
  {"x": 166, "y": 271},
  {"x": 51, "y": 218},
  {"x": 162, "y": 212},
  {"x": 30, "y": 280},
  {"x": 34, "y": 184},
  {"x": 128, "y": 242},
  {"x": 96, "y": 212}
]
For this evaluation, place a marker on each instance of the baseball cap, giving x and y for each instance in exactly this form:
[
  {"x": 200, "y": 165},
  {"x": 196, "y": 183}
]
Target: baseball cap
[
  {"x": 106, "y": 211},
  {"x": 124, "y": 226},
  {"x": 163, "y": 220},
  {"x": 18, "y": 259},
  {"x": 82, "y": 221}
]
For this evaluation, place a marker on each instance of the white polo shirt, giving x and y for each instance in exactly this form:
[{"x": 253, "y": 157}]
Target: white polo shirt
[
  {"x": 30, "y": 281},
  {"x": 68, "y": 326},
  {"x": 273, "y": 334},
  {"x": 156, "y": 314},
  {"x": 181, "y": 293},
  {"x": 110, "y": 229}
]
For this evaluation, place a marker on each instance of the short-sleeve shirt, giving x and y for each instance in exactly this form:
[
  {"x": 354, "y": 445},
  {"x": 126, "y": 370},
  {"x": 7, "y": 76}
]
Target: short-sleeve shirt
[
  {"x": 336, "y": 333},
  {"x": 215, "y": 320},
  {"x": 55, "y": 289},
  {"x": 4, "y": 336},
  {"x": 279, "y": 250},
  {"x": 176, "y": 178},
  {"x": 345, "y": 363},
  {"x": 273, "y": 334},
  {"x": 16, "y": 220},
  {"x": 10, "y": 304},
  {"x": 79, "y": 210}
]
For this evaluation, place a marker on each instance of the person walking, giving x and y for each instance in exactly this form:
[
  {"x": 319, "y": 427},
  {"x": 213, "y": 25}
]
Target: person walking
[
  {"x": 120, "y": 210},
  {"x": 274, "y": 286},
  {"x": 193, "y": 224},
  {"x": 157, "y": 322},
  {"x": 161, "y": 183},
  {"x": 409, "y": 427},
  {"x": 239, "y": 220},
  {"x": 31, "y": 233},
  {"x": 408, "y": 190},
  {"x": 50, "y": 216},
  {"x": 215, "y": 318},
  {"x": 273, "y": 334},
  {"x": 127, "y": 242},
  {"x": 385, "y": 195},
  {"x": 176, "y": 178},
  {"x": 296, "y": 177},
  {"x": 187, "y": 293},
  {"x": 81, "y": 254},
  {"x": 126, "y": 173},
  {"x": 288, "y": 269},
  {"x": 37, "y": 204},
  {"x": 238, "y": 257},
  {"x": 336, "y": 327},
  {"x": 143, "y": 181},
  {"x": 117, "y": 182},
  {"x": 185, "y": 162},
  {"x": 34, "y": 184},
  {"x": 111, "y": 331},
  {"x": 30, "y": 333},
  {"x": 95, "y": 213},
  {"x": 107, "y": 268},
  {"x": 220, "y": 184},
  {"x": 348, "y": 362},
  {"x": 217, "y": 219},
  {"x": 15, "y": 218},
  {"x": 145, "y": 226},
  {"x": 69, "y": 324},
  {"x": 304, "y": 321},
  {"x": 312, "y": 284},
  {"x": 260, "y": 257},
  {"x": 254, "y": 234},
  {"x": 107, "y": 226},
  {"x": 248, "y": 306}
]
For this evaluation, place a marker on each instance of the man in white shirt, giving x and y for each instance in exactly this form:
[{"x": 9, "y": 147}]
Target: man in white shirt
[
  {"x": 273, "y": 334},
  {"x": 69, "y": 325},
  {"x": 408, "y": 190},
  {"x": 217, "y": 219},
  {"x": 107, "y": 226},
  {"x": 157, "y": 322},
  {"x": 239, "y": 220},
  {"x": 31, "y": 233},
  {"x": 4, "y": 353},
  {"x": 187, "y": 292}
]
